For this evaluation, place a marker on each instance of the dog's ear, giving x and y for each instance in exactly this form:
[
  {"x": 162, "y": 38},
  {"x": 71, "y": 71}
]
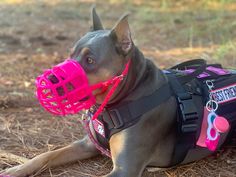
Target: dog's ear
[
  {"x": 96, "y": 22},
  {"x": 122, "y": 35}
]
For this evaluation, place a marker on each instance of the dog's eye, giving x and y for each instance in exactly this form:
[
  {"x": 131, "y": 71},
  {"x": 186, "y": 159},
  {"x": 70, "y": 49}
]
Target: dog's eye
[{"x": 90, "y": 60}]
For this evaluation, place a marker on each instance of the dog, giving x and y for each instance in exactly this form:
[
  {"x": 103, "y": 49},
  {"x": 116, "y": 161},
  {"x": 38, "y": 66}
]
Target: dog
[{"x": 148, "y": 142}]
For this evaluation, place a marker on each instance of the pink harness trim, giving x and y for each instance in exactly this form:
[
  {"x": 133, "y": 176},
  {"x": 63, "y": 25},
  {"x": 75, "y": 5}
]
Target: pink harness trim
[{"x": 94, "y": 141}]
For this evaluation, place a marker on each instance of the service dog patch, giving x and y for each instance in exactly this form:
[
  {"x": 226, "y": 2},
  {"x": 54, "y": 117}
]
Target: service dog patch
[
  {"x": 224, "y": 94},
  {"x": 99, "y": 127}
]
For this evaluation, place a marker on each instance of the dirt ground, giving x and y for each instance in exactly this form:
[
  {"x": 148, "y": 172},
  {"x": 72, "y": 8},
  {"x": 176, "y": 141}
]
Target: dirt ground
[{"x": 35, "y": 35}]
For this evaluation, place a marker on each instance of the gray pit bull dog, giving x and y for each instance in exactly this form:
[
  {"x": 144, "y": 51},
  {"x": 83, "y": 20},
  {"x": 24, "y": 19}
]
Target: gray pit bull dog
[{"x": 151, "y": 140}]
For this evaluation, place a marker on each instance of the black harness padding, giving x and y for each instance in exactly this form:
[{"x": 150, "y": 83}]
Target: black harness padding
[
  {"x": 124, "y": 115},
  {"x": 227, "y": 109},
  {"x": 200, "y": 65}
]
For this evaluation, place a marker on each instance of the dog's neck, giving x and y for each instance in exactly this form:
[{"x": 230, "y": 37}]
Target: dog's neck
[{"x": 142, "y": 72}]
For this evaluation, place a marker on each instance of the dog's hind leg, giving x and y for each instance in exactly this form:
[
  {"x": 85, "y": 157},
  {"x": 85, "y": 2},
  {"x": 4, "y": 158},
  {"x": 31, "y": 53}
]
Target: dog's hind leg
[{"x": 78, "y": 150}]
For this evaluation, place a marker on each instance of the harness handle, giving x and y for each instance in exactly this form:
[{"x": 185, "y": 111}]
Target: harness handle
[{"x": 199, "y": 65}]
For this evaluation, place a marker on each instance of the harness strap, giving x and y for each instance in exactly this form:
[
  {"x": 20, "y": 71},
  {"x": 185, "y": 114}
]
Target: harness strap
[
  {"x": 188, "y": 120},
  {"x": 127, "y": 114}
]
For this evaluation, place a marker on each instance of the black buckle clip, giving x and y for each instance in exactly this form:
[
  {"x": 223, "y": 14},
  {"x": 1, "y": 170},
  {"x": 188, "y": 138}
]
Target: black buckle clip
[
  {"x": 189, "y": 128},
  {"x": 116, "y": 118},
  {"x": 189, "y": 113}
]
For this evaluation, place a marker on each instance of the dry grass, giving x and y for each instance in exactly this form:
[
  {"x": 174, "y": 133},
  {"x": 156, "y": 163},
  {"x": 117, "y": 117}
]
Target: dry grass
[{"x": 34, "y": 36}]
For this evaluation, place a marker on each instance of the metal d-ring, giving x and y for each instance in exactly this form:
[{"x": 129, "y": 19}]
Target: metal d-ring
[
  {"x": 210, "y": 84},
  {"x": 211, "y": 105}
]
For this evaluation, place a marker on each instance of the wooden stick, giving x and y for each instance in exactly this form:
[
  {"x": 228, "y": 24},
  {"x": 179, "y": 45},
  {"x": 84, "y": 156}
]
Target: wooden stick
[{"x": 12, "y": 157}]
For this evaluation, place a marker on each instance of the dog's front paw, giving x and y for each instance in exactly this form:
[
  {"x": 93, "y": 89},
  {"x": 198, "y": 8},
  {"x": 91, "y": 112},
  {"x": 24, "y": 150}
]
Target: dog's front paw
[{"x": 16, "y": 171}]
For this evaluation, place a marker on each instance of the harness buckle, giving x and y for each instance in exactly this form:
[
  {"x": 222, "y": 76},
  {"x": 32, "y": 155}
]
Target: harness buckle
[
  {"x": 189, "y": 113},
  {"x": 189, "y": 128},
  {"x": 116, "y": 118}
]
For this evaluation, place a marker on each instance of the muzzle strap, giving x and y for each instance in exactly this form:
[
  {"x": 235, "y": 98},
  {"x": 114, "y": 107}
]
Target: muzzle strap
[{"x": 118, "y": 79}]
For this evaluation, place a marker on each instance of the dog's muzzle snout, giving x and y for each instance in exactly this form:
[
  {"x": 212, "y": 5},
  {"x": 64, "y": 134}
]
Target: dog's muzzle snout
[{"x": 65, "y": 88}]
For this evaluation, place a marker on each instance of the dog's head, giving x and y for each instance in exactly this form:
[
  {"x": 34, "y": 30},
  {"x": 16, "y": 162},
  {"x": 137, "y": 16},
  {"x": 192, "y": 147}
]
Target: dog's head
[{"x": 103, "y": 53}]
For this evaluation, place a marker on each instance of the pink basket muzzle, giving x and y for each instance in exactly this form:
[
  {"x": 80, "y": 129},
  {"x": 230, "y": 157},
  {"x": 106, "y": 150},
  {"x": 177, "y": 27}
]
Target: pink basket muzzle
[{"x": 64, "y": 89}]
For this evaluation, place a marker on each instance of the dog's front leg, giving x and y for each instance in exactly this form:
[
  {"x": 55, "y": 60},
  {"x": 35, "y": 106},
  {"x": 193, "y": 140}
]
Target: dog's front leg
[
  {"x": 128, "y": 161},
  {"x": 124, "y": 167},
  {"x": 78, "y": 150}
]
